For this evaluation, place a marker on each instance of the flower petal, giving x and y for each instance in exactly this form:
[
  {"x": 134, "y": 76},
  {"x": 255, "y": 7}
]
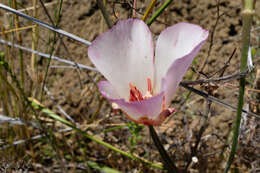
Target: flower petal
[
  {"x": 175, "y": 49},
  {"x": 124, "y": 55},
  {"x": 159, "y": 119},
  {"x": 175, "y": 73},
  {"x": 150, "y": 107},
  {"x": 107, "y": 90},
  {"x": 137, "y": 110}
]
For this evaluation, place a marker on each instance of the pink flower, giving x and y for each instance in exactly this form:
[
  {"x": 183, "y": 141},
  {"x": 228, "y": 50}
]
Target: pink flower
[{"x": 140, "y": 82}]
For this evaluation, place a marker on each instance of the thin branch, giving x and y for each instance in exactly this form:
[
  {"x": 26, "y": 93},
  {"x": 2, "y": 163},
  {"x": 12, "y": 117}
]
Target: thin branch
[
  {"x": 63, "y": 66},
  {"x": 104, "y": 12},
  {"x": 47, "y": 13},
  {"x": 52, "y": 46},
  {"x": 134, "y": 11},
  {"x": 32, "y": 138},
  {"x": 16, "y": 121},
  {"x": 194, "y": 149},
  {"x": 37, "y": 6},
  {"x": 45, "y": 25},
  {"x": 58, "y": 105},
  {"x": 212, "y": 38},
  {"x": 226, "y": 65},
  {"x": 224, "y": 78},
  {"x": 18, "y": 29},
  {"x": 62, "y": 42},
  {"x": 216, "y": 100},
  {"x": 81, "y": 66}
]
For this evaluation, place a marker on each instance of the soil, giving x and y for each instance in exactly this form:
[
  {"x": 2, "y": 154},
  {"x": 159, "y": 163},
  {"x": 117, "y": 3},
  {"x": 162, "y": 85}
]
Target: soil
[{"x": 76, "y": 92}]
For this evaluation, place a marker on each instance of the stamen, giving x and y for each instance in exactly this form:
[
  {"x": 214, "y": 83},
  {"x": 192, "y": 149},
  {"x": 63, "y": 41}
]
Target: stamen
[
  {"x": 149, "y": 86},
  {"x": 163, "y": 104},
  {"x": 135, "y": 94}
]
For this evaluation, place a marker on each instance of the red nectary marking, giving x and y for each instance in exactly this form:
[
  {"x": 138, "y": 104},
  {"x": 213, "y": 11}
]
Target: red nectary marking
[{"x": 135, "y": 94}]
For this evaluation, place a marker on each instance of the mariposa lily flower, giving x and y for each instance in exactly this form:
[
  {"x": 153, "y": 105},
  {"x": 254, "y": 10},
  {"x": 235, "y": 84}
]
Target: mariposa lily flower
[{"x": 140, "y": 82}]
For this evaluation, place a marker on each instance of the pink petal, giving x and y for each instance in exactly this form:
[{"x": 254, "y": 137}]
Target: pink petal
[
  {"x": 144, "y": 111},
  {"x": 175, "y": 49},
  {"x": 107, "y": 90},
  {"x": 175, "y": 73},
  {"x": 150, "y": 108},
  {"x": 124, "y": 54}
]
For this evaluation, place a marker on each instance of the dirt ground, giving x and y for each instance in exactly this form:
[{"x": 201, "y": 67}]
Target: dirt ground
[{"x": 75, "y": 91}]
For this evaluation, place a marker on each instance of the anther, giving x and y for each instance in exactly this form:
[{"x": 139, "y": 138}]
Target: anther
[{"x": 135, "y": 94}]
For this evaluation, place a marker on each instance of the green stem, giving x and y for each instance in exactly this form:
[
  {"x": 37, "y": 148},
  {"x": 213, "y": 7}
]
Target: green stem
[
  {"x": 52, "y": 46},
  {"x": 168, "y": 163},
  {"x": 19, "y": 38},
  {"x": 38, "y": 106},
  {"x": 149, "y": 9},
  {"x": 247, "y": 16},
  {"x": 158, "y": 12}
]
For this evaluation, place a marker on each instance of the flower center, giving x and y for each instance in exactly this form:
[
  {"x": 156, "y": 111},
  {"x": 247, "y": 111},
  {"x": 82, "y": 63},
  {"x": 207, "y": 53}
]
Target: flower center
[{"x": 136, "y": 94}]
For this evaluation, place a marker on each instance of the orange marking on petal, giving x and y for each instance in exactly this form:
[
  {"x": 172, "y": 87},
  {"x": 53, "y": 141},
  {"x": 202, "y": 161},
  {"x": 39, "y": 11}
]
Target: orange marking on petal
[
  {"x": 159, "y": 120},
  {"x": 145, "y": 120}
]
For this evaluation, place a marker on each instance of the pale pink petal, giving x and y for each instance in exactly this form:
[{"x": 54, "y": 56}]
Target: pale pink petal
[
  {"x": 150, "y": 108},
  {"x": 107, "y": 90},
  {"x": 124, "y": 54},
  {"x": 175, "y": 73},
  {"x": 175, "y": 49},
  {"x": 148, "y": 112}
]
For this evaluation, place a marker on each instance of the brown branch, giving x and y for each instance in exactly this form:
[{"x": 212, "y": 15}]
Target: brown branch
[
  {"x": 216, "y": 100},
  {"x": 226, "y": 65},
  {"x": 194, "y": 149},
  {"x": 104, "y": 13},
  {"x": 224, "y": 78},
  {"x": 212, "y": 37}
]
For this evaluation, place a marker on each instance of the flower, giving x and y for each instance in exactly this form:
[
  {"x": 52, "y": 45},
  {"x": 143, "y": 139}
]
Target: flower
[{"x": 140, "y": 82}]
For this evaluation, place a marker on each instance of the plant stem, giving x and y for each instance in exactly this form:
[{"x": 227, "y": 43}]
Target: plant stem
[
  {"x": 52, "y": 46},
  {"x": 158, "y": 12},
  {"x": 134, "y": 9},
  {"x": 104, "y": 13},
  {"x": 168, "y": 163},
  {"x": 247, "y": 16},
  {"x": 38, "y": 106},
  {"x": 149, "y": 9},
  {"x": 19, "y": 38},
  {"x": 35, "y": 38}
]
